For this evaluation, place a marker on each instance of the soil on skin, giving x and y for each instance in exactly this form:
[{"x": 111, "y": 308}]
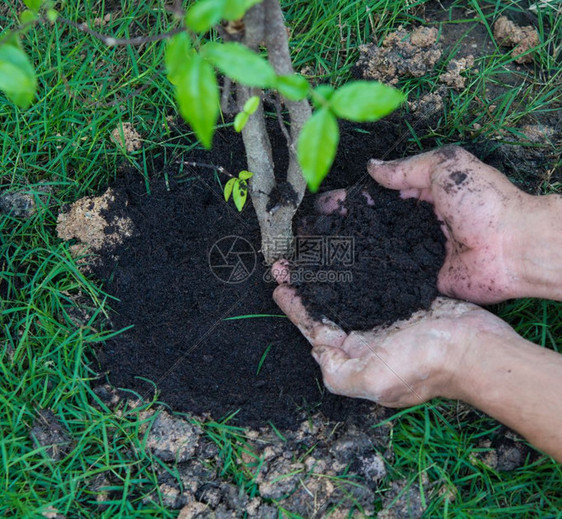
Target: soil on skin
[{"x": 383, "y": 260}]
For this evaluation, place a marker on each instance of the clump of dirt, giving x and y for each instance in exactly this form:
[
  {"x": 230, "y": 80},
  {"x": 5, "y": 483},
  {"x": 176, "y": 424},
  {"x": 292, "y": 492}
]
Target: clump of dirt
[
  {"x": 18, "y": 203},
  {"x": 381, "y": 260},
  {"x": 520, "y": 39},
  {"x": 127, "y": 137},
  {"x": 171, "y": 439},
  {"x": 455, "y": 68},
  {"x": 48, "y": 432},
  {"x": 402, "y": 54},
  {"x": 403, "y": 501},
  {"x": 312, "y": 469},
  {"x": 411, "y": 54},
  {"x": 88, "y": 222},
  {"x": 506, "y": 453},
  {"x": 431, "y": 103},
  {"x": 529, "y": 156},
  {"x": 22, "y": 203}
]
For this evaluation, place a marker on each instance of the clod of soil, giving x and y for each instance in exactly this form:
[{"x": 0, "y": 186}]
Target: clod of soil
[
  {"x": 378, "y": 263},
  {"x": 521, "y": 39},
  {"x": 85, "y": 222},
  {"x": 453, "y": 77},
  {"x": 413, "y": 54},
  {"x": 48, "y": 432},
  {"x": 127, "y": 137},
  {"x": 402, "y": 54},
  {"x": 18, "y": 204}
]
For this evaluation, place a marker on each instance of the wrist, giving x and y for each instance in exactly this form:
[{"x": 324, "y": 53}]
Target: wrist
[
  {"x": 470, "y": 373},
  {"x": 536, "y": 248},
  {"x": 480, "y": 337}
]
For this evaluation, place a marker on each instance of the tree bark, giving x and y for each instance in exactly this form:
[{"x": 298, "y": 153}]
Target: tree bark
[
  {"x": 264, "y": 24},
  {"x": 277, "y": 42}
]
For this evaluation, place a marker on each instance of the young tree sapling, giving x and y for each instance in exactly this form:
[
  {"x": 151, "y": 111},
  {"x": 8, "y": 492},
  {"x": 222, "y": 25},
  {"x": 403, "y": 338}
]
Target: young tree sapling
[{"x": 248, "y": 29}]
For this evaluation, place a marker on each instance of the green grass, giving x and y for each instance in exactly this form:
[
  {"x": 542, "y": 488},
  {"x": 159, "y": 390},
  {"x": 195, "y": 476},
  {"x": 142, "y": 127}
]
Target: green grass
[{"x": 60, "y": 149}]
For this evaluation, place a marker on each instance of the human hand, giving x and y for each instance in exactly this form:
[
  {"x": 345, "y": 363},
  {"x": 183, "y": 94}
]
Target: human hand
[
  {"x": 407, "y": 363},
  {"x": 485, "y": 219}
]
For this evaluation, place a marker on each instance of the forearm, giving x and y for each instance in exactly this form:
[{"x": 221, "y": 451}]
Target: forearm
[
  {"x": 539, "y": 249},
  {"x": 516, "y": 382}
]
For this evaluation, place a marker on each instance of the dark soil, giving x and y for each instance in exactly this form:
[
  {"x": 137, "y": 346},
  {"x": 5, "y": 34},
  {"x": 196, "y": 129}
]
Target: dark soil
[
  {"x": 180, "y": 340},
  {"x": 182, "y": 346},
  {"x": 383, "y": 260}
]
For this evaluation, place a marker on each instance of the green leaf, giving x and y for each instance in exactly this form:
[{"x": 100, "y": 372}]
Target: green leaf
[
  {"x": 362, "y": 101},
  {"x": 245, "y": 175},
  {"x": 240, "y": 63},
  {"x": 321, "y": 95},
  {"x": 228, "y": 188},
  {"x": 251, "y": 105},
  {"x": 293, "y": 87},
  {"x": 52, "y": 15},
  {"x": 239, "y": 195},
  {"x": 205, "y": 14},
  {"x": 240, "y": 121},
  {"x": 317, "y": 146},
  {"x": 27, "y": 17},
  {"x": 235, "y": 9},
  {"x": 17, "y": 76},
  {"x": 178, "y": 49},
  {"x": 34, "y": 5},
  {"x": 197, "y": 93},
  {"x": 10, "y": 38}
]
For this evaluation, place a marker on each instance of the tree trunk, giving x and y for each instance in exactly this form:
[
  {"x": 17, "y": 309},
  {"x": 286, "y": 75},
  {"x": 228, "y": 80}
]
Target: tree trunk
[{"x": 264, "y": 24}]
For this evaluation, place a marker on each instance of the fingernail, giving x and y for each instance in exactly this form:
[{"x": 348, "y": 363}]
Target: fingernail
[{"x": 375, "y": 162}]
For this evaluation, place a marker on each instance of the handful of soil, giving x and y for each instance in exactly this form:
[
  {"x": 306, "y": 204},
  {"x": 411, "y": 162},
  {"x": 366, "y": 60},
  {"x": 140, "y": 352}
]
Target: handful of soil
[{"x": 379, "y": 263}]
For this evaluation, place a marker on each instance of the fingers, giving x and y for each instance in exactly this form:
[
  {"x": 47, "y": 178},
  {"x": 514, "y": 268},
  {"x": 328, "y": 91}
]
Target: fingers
[
  {"x": 450, "y": 308},
  {"x": 405, "y": 174},
  {"x": 332, "y": 201},
  {"x": 415, "y": 173},
  {"x": 357, "y": 344},
  {"x": 316, "y": 333},
  {"x": 421, "y": 194},
  {"x": 342, "y": 375}
]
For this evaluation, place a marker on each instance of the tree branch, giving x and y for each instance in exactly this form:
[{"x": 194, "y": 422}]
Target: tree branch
[
  {"x": 110, "y": 41},
  {"x": 254, "y": 134},
  {"x": 277, "y": 103},
  {"x": 277, "y": 43}
]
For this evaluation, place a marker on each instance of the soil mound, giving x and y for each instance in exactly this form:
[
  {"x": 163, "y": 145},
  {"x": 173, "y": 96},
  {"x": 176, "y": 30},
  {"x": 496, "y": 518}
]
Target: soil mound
[
  {"x": 186, "y": 340},
  {"x": 191, "y": 269},
  {"x": 380, "y": 263}
]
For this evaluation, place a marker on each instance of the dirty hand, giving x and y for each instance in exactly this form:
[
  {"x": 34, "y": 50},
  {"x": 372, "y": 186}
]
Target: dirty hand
[
  {"x": 501, "y": 242},
  {"x": 405, "y": 364},
  {"x": 455, "y": 350}
]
